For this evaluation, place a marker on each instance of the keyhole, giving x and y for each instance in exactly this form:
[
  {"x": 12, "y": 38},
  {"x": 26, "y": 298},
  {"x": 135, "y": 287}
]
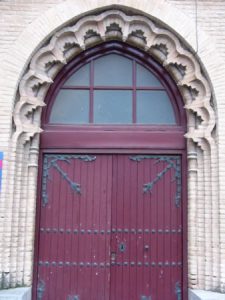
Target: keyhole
[{"x": 122, "y": 247}]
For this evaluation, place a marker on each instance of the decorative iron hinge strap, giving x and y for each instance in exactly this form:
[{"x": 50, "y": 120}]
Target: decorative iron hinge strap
[
  {"x": 178, "y": 291},
  {"x": 173, "y": 162},
  {"x": 50, "y": 161},
  {"x": 74, "y": 186},
  {"x": 40, "y": 289}
]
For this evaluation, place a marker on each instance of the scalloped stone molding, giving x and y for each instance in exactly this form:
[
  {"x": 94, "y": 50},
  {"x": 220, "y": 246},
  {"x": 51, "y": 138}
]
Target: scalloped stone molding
[{"x": 163, "y": 45}]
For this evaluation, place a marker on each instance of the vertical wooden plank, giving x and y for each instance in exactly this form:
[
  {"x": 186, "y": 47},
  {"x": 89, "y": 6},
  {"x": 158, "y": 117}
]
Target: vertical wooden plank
[
  {"x": 87, "y": 177},
  {"x": 95, "y": 228},
  {"x": 160, "y": 228},
  {"x": 133, "y": 231},
  {"x": 105, "y": 227},
  {"x": 168, "y": 203},
  {"x": 66, "y": 202},
  {"x": 55, "y": 201},
  {"x": 117, "y": 226},
  {"x": 126, "y": 228},
  {"x": 113, "y": 250},
  {"x": 134, "y": 192},
  {"x": 81, "y": 272},
  {"x": 152, "y": 197},
  {"x": 174, "y": 238},
  {"x": 140, "y": 228},
  {"x": 146, "y": 234}
]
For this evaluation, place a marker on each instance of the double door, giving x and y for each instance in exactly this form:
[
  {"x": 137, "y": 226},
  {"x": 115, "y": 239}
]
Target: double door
[{"x": 110, "y": 228}]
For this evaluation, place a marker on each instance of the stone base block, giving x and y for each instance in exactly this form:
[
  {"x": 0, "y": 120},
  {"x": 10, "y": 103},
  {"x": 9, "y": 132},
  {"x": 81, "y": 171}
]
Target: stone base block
[
  {"x": 25, "y": 294},
  {"x": 204, "y": 295},
  {"x": 16, "y": 294}
]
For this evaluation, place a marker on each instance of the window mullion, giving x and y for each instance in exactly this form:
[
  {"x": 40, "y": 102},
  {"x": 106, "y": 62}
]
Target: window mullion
[
  {"x": 134, "y": 106},
  {"x": 91, "y": 112}
]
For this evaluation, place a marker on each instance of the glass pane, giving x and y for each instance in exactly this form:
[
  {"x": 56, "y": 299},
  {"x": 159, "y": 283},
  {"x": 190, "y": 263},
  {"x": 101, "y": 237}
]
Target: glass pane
[
  {"x": 113, "y": 70},
  {"x": 154, "y": 107},
  {"x": 80, "y": 77},
  {"x": 71, "y": 107},
  {"x": 146, "y": 78},
  {"x": 113, "y": 107}
]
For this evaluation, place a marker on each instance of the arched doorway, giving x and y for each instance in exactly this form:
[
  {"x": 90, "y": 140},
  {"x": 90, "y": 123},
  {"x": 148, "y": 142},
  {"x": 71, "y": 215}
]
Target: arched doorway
[{"x": 112, "y": 202}]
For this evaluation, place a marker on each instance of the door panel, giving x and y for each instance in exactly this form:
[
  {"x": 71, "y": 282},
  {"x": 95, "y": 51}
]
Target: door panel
[
  {"x": 110, "y": 228},
  {"x": 146, "y": 221},
  {"x": 74, "y": 239}
]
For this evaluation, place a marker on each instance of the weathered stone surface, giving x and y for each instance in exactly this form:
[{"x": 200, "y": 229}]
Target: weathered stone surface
[
  {"x": 16, "y": 294},
  {"x": 205, "y": 295},
  {"x": 194, "y": 58}
]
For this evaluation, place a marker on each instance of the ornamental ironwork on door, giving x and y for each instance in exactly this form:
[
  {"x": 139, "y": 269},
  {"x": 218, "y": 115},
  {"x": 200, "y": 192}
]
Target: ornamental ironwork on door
[{"x": 110, "y": 228}]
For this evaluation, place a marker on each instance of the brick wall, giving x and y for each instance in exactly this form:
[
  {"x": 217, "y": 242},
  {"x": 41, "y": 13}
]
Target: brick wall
[
  {"x": 18, "y": 16},
  {"x": 210, "y": 17}
]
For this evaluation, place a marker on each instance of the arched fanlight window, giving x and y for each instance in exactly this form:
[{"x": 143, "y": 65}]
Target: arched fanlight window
[{"x": 112, "y": 89}]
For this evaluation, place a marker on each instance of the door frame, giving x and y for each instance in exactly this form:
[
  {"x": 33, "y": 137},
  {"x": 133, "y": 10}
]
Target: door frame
[
  {"x": 116, "y": 139},
  {"x": 183, "y": 155}
]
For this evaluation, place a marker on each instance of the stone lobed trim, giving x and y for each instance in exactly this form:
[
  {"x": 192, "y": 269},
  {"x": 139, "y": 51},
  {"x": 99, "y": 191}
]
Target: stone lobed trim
[
  {"x": 184, "y": 67},
  {"x": 137, "y": 30}
]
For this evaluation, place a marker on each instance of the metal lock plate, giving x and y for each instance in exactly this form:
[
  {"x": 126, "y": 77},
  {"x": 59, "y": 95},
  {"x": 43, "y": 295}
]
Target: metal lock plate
[
  {"x": 73, "y": 297},
  {"x": 122, "y": 247},
  {"x": 146, "y": 297}
]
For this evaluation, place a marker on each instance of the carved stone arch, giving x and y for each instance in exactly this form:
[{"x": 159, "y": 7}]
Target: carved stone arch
[
  {"x": 137, "y": 30},
  {"x": 185, "y": 69}
]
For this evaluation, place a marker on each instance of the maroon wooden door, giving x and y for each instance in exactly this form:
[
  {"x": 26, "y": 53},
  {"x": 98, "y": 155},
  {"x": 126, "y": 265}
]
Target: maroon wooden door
[
  {"x": 110, "y": 228},
  {"x": 75, "y": 226},
  {"x": 146, "y": 228}
]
